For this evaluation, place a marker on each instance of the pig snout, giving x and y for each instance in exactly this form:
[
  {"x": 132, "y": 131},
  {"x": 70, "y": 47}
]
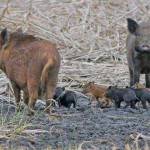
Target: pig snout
[
  {"x": 106, "y": 94},
  {"x": 145, "y": 47}
]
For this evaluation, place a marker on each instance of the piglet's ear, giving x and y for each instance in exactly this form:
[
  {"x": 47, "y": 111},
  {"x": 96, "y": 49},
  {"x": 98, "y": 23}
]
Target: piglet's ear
[
  {"x": 93, "y": 82},
  {"x": 5, "y": 35},
  {"x": 63, "y": 88},
  {"x": 109, "y": 87},
  {"x": 132, "y": 25}
]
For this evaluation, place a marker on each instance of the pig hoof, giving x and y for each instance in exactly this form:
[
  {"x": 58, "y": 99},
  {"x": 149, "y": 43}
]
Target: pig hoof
[
  {"x": 145, "y": 108},
  {"x": 30, "y": 112},
  {"x": 18, "y": 108},
  {"x": 48, "y": 111}
]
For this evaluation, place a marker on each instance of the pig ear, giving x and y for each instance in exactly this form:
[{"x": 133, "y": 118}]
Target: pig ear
[
  {"x": 19, "y": 30},
  {"x": 132, "y": 25},
  {"x": 5, "y": 35}
]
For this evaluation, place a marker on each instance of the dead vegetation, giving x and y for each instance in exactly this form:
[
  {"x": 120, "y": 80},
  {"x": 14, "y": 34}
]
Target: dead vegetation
[{"x": 90, "y": 36}]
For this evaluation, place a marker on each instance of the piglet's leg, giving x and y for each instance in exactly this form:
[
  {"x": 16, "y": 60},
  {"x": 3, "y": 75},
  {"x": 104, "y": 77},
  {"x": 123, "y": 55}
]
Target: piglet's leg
[
  {"x": 98, "y": 102},
  {"x": 144, "y": 103},
  {"x": 92, "y": 98},
  {"x": 106, "y": 100},
  {"x": 117, "y": 104}
]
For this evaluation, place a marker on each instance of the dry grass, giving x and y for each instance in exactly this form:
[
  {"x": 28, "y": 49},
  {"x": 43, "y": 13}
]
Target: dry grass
[{"x": 90, "y": 36}]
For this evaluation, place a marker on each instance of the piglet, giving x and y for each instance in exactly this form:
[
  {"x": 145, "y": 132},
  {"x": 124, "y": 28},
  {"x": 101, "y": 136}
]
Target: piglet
[
  {"x": 143, "y": 95},
  {"x": 97, "y": 92},
  {"x": 121, "y": 94},
  {"x": 65, "y": 98}
]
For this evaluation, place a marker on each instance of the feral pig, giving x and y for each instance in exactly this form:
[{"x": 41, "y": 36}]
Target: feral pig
[
  {"x": 97, "y": 92},
  {"x": 31, "y": 64},
  {"x": 143, "y": 95},
  {"x": 121, "y": 94},
  {"x": 65, "y": 98},
  {"x": 138, "y": 51}
]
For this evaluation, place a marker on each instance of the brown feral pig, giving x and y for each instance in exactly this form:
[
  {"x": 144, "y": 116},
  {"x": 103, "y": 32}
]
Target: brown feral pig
[
  {"x": 31, "y": 64},
  {"x": 97, "y": 92},
  {"x": 138, "y": 51},
  {"x": 121, "y": 94}
]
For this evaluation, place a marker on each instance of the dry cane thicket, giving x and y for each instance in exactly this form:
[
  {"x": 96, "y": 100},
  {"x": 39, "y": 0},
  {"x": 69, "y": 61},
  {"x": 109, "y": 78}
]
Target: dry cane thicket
[{"x": 90, "y": 35}]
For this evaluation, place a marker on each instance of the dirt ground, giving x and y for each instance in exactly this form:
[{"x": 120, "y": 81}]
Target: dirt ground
[{"x": 86, "y": 127}]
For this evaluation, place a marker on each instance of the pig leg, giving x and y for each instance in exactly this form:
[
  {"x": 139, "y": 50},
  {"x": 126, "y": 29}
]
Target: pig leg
[
  {"x": 144, "y": 103},
  {"x": 136, "y": 77},
  {"x": 131, "y": 77},
  {"x": 16, "y": 93},
  {"x": 74, "y": 104},
  {"x": 49, "y": 96},
  {"x": 33, "y": 88},
  {"x": 133, "y": 105},
  {"x": 50, "y": 91},
  {"x": 26, "y": 97},
  {"x": 93, "y": 97},
  {"x": 147, "y": 79}
]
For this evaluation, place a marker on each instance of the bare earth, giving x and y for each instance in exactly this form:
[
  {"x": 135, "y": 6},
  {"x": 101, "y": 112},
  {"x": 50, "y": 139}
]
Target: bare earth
[{"x": 85, "y": 127}]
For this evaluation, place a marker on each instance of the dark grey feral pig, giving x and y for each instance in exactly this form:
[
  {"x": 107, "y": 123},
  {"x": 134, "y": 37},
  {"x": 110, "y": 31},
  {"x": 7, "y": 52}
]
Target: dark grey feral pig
[
  {"x": 65, "y": 98},
  {"x": 143, "y": 95},
  {"x": 138, "y": 51},
  {"x": 121, "y": 94}
]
